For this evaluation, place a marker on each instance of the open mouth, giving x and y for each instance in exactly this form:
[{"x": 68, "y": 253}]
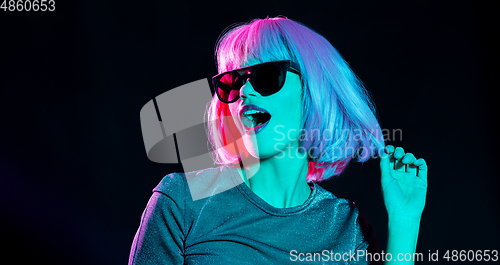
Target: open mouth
[{"x": 254, "y": 117}]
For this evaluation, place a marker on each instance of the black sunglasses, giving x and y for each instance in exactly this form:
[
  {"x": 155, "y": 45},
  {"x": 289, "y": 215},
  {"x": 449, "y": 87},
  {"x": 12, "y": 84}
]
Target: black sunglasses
[{"x": 266, "y": 78}]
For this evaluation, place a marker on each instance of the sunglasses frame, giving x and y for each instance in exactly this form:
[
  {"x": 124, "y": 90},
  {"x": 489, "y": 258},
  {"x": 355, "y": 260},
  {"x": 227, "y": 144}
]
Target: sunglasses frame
[{"x": 284, "y": 66}]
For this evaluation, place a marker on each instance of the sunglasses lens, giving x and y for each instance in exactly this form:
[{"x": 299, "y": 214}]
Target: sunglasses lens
[
  {"x": 268, "y": 79},
  {"x": 229, "y": 86}
]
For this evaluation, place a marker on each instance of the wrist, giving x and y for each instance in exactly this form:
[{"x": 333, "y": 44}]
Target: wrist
[
  {"x": 404, "y": 223},
  {"x": 402, "y": 234},
  {"x": 403, "y": 217}
]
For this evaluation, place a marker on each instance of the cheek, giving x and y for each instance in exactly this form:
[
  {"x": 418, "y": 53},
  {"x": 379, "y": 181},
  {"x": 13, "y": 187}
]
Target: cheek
[
  {"x": 293, "y": 114},
  {"x": 287, "y": 128},
  {"x": 292, "y": 123}
]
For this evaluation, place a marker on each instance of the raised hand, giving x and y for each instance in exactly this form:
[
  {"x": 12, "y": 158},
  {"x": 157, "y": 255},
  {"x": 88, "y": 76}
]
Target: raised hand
[{"x": 404, "y": 183}]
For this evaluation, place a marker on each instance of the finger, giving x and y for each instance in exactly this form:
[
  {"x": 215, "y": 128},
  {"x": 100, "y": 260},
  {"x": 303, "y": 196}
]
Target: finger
[
  {"x": 408, "y": 160},
  {"x": 389, "y": 149},
  {"x": 398, "y": 155},
  {"x": 422, "y": 168},
  {"x": 399, "y": 152}
]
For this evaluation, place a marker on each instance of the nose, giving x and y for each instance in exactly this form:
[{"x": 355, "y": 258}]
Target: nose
[{"x": 247, "y": 90}]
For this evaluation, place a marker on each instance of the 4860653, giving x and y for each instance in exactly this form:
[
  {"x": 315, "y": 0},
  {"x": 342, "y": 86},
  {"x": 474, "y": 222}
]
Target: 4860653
[
  {"x": 28, "y": 5},
  {"x": 471, "y": 255}
]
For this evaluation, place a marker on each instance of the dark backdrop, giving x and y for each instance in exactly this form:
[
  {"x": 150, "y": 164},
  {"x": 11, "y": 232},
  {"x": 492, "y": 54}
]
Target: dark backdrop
[{"x": 74, "y": 173}]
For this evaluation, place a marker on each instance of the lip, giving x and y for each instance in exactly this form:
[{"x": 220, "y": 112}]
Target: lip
[
  {"x": 251, "y": 107},
  {"x": 259, "y": 128}
]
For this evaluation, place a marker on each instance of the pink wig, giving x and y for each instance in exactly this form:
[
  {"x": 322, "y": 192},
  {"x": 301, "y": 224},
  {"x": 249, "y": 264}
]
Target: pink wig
[{"x": 335, "y": 104}]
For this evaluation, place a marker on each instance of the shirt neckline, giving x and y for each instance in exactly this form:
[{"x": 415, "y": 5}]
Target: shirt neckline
[{"x": 263, "y": 205}]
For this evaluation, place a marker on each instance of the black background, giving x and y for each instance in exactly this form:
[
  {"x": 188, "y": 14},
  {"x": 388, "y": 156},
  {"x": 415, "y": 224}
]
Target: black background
[{"x": 74, "y": 174}]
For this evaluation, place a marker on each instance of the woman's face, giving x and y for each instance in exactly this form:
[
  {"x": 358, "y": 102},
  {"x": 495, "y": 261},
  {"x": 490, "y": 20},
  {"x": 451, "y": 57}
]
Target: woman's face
[{"x": 279, "y": 137}]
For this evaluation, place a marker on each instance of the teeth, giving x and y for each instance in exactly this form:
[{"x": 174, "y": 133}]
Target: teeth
[{"x": 251, "y": 112}]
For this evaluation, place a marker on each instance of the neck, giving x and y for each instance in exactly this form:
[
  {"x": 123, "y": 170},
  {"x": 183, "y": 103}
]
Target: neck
[{"x": 280, "y": 181}]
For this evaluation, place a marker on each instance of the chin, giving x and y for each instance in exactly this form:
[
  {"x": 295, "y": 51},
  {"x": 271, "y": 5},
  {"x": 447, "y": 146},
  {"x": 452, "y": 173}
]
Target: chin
[{"x": 264, "y": 152}]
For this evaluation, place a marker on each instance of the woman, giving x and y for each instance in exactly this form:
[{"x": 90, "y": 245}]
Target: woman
[{"x": 288, "y": 112}]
